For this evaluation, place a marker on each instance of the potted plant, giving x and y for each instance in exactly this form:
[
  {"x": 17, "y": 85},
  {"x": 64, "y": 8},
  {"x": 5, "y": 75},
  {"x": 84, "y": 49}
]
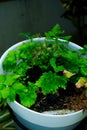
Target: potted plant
[{"x": 44, "y": 81}]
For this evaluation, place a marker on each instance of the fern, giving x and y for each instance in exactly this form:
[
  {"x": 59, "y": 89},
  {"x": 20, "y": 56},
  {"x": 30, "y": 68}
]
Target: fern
[{"x": 51, "y": 57}]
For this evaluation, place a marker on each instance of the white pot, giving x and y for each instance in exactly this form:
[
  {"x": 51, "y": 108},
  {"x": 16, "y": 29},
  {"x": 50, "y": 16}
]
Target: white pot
[{"x": 43, "y": 121}]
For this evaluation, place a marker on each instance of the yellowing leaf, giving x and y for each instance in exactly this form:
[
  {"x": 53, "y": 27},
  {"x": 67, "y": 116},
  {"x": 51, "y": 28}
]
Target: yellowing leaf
[
  {"x": 81, "y": 82},
  {"x": 68, "y": 74},
  {"x": 86, "y": 84}
]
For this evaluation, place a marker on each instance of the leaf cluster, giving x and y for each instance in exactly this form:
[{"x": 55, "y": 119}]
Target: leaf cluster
[{"x": 39, "y": 66}]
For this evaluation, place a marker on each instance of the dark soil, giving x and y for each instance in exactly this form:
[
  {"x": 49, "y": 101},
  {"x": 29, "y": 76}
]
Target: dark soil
[{"x": 71, "y": 99}]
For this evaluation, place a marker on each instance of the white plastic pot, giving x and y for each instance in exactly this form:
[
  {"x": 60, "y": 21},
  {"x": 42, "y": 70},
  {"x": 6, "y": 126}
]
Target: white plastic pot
[{"x": 43, "y": 121}]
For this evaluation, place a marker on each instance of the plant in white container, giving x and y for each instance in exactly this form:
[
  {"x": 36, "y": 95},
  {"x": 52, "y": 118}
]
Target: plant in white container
[{"x": 45, "y": 81}]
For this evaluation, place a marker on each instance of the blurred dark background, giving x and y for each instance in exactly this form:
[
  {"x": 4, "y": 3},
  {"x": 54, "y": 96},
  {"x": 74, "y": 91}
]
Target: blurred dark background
[
  {"x": 17, "y": 16},
  {"x": 38, "y": 16}
]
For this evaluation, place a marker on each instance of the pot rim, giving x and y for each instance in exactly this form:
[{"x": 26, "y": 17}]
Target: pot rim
[{"x": 38, "y": 113}]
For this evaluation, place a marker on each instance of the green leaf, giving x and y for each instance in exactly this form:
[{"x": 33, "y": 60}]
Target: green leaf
[
  {"x": 55, "y": 67},
  {"x": 54, "y": 32},
  {"x": 19, "y": 87},
  {"x": 5, "y": 93},
  {"x": 2, "y": 86},
  {"x": 84, "y": 70},
  {"x": 84, "y": 50},
  {"x": 32, "y": 88},
  {"x": 21, "y": 68},
  {"x": 10, "y": 79},
  {"x": 50, "y": 82},
  {"x": 12, "y": 94},
  {"x": 10, "y": 61},
  {"x": 2, "y": 78},
  {"x": 26, "y": 35},
  {"x": 0, "y": 96},
  {"x": 2, "y": 81},
  {"x": 66, "y": 38},
  {"x": 28, "y": 99},
  {"x": 57, "y": 33},
  {"x": 71, "y": 56}
]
